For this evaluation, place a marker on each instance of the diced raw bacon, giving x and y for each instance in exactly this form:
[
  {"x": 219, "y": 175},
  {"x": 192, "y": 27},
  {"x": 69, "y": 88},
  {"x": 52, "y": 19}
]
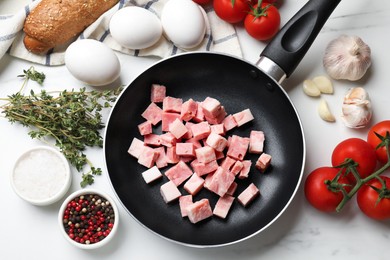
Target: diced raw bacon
[
  {"x": 186, "y": 159},
  {"x": 222, "y": 206},
  {"x": 199, "y": 211},
  {"x": 243, "y": 117},
  {"x": 256, "y": 142},
  {"x": 237, "y": 167},
  {"x": 244, "y": 173},
  {"x": 227, "y": 163},
  {"x": 158, "y": 93},
  {"x": 204, "y": 168},
  {"x": 161, "y": 160},
  {"x": 196, "y": 143},
  {"x": 199, "y": 116},
  {"x": 188, "y": 110},
  {"x": 238, "y": 147},
  {"x": 172, "y": 157},
  {"x": 185, "y": 149},
  {"x": 232, "y": 189},
  {"x": 208, "y": 179},
  {"x": 248, "y": 195},
  {"x": 211, "y": 107},
  {"x": 168, "y": 139},
  {"x": 263, "y": 162},
  {"x": 169, "y": 192},
  {"x": 147, "y": 157},
  {"x": 216, "y": 119},
  {"x": 145, "y": 128},
  {"x": 184, "y": 202},
  {"x": 136, "y": 147},
  {"x": 216, "y": 141},
  {"x": 229, "y": 123},
  {"x": 177, "y": 128},
  {"x": 219, "y": 155},
  {"x": 152, "y": 113},
  {"x": 151, "y": 174},
  {"x": 179, "y": 173},
  {"x": 194, "y": 184},
  {"x": 218, "y": 129},
  {"x": 152, "y": 140},
  {"x": 205, "y": 154},
  {"x": 166, "y": 119},
  {"x": 189, "y": 134},
  {"x": 172, "y": 104},
  {"x": 221, "y": 181},
  {"x": 200, "y": 130}
]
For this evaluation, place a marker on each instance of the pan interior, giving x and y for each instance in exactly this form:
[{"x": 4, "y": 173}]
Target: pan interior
[{"x": 237, "y": 85}]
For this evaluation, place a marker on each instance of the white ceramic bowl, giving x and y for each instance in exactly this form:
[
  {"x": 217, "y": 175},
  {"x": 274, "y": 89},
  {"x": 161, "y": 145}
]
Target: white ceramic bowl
[
  {"x": 41, "y": 176},
  {"x": 84, "y": 192}
]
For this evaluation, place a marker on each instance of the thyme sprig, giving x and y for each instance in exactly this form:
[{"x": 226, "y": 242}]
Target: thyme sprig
[
  {"x": 32, "y": 74},
  {"x": 72, "y": 119}
]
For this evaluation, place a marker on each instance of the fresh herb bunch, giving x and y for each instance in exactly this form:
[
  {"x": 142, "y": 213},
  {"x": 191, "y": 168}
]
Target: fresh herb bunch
[{"x": 72, "y": 118}]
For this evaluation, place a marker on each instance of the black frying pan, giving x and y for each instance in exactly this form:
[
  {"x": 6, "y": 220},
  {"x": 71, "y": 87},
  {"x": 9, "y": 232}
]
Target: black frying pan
[{"x": 238, "y": 85}]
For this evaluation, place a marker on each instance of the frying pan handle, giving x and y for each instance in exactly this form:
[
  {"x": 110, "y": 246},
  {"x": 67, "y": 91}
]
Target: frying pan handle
[{"x": 283, "y": 54}]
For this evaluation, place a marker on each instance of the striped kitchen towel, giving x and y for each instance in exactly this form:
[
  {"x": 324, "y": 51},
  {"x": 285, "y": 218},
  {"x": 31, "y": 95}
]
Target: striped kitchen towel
[{"x": 219, "y": 37}]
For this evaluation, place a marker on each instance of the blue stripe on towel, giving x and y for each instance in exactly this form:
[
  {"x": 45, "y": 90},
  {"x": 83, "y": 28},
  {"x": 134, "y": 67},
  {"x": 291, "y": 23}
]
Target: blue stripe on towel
[
  {"x": 8, "y": 37},
  {"x": 226, "y": 38}
]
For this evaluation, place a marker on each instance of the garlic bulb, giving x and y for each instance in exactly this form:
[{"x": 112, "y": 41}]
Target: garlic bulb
[
  {"x": 357, "y": 110},
  {"x": 347, "y": 57}
]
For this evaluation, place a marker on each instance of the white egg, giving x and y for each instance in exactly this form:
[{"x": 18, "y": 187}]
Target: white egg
[
  {"x": 135, "y": 27},
  {"x": 92, "y": 62},
  {"x": 183, "y": 23}
]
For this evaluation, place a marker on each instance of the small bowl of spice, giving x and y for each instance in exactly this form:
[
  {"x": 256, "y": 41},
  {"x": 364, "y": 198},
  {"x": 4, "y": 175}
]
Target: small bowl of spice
[
  {"x": 88, "y": 218},
  {"x": 41, "y": 176}
]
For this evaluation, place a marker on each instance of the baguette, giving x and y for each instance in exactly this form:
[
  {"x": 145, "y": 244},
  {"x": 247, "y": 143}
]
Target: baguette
[{"x": 55, "y": 22}]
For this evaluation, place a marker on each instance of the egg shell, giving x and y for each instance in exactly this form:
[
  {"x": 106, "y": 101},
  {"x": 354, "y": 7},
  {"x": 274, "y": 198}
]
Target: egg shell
[
  {"x": 92, "y": 62},
  {"x": 135, "y": 27},
  {"x": 183, "y": 23}
]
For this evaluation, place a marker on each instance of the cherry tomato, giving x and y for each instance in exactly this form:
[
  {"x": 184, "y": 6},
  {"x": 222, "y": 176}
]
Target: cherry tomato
[
  {"x": 231, "y": 11},
  {"x": 367, "y": 199},
  {"x": 202, "y": 2},
  {"x": 262, "y": 23},
  {"x": 317, "y": 192},
  {"x": 359, "y": 151},
  {"x": 380, "y": 128}
]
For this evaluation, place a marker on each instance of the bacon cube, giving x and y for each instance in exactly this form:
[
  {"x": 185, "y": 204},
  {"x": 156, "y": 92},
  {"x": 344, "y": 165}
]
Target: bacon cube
[
  {"x": 216, "y": 141},
  {"x": 237, "y": 167},
  {"x": 194, "y": 184},
  {"x": 238, "y": 147},
  {"x": 227, "y": 163},
  {"x": 199, "y": 116},
  {"x": 204, "y": 168},
  {"x": 177, "y": 128},
  {"x": 161, "y": 160},
  {"x": 189, "y": 134},
  {"x": 200, "y": 130},
  {"x": 145, "y": 128},
  {"x": 248, "y": 195},
  {"x": 218, "y": 118},
  {"x": 218, "y": 129},
  {"x": 263, "y": 162},
  {"x": 243, "y": 117},
  {"x": 152, "y": 113},
  {"x": 147, "y": 157},
  {"x": 172, "y": 104},
  {"x": 172, "y": 157},
  {"x": 222, "y": 206},
  {"x": 196, "y": 143},
  {"x": 211, "y": 107},
  {"x": 229, "y": 123},
  {"x": 232, "y": 189},
  {"x": 199, "y": 211},
  {"x": 136, "y": 147},
  {"x": 221, "y": 181},
  {"x": 166, "y": 119},
  {"x": 188, "y": 110},
  {"x": 151, "y": 174},
  {"x": 256, "y": 142},
  {"x": 179, "y": 173},
  {"x": 152, "y": 140},
  {"x": 169, "y": 192},
  {"x": 184, "y": 202},
  {"x": 205, "y": 154},
  {"x": 168, "y": 139},
  {"x": 158, "y": 93},
  {"x": 185, "y": 149},
  {"x": 244, "y": 173}
]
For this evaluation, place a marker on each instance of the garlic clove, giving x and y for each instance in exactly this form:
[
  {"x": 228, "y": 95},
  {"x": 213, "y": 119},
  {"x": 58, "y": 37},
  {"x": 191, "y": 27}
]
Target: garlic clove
[
  {"x": 347, "y": 57},
  {"x": 324, "y": 84},
  {"x": 356, "y": 108},
  {"x": 310, "y": 88},
  {"x": 324, "y": 112}
]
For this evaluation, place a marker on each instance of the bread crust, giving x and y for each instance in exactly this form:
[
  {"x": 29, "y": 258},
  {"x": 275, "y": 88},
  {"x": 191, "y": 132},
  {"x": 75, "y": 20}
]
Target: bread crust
[{"x": 55, "y": 22}]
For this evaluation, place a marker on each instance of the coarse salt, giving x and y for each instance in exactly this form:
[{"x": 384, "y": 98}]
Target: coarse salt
[{"x": 40, "y": 174}]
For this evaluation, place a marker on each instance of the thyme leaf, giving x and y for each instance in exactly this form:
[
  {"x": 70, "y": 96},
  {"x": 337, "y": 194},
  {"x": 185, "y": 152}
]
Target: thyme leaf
[{"x": 34, "y": 75}]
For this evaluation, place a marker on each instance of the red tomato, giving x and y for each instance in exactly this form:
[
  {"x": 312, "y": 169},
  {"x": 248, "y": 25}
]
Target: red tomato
[
  {"x": 202, "y": 2},
  {"x": 367, "y": 199},
  {"x": 262, "y": 24},
  {"x": 317, "y": 192},
  {"x": 231, "y": 11},
  {"x": 380, "y": 128},
  {"x": 358, "y": 150}
]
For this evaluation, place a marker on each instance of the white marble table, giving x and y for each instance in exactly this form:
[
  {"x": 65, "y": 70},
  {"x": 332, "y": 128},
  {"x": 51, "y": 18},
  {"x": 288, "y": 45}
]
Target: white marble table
[{"x": 30, "y": 232}]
